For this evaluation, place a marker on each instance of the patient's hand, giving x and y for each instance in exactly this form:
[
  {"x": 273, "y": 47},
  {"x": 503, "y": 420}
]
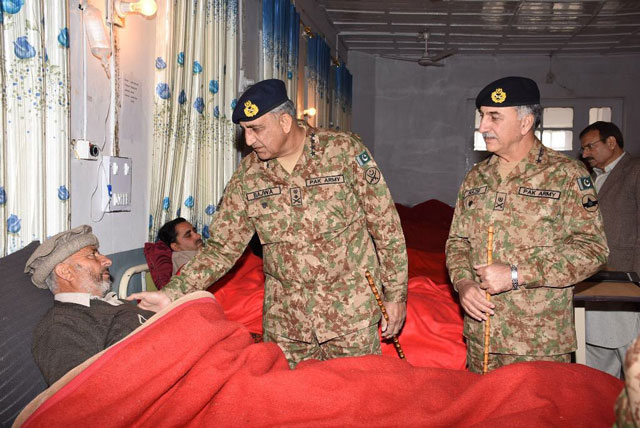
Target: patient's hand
[{"x": 151, "y": 300}]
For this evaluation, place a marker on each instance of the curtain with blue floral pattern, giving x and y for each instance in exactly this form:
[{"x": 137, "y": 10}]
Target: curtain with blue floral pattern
[
  {"x": 193, "y": 154},
  {"x": 280, "y": 43},
  {"x": 34, "y": 130}
]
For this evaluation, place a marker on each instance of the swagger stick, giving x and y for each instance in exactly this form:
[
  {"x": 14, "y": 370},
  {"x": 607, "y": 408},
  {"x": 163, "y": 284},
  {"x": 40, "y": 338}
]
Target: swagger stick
[
  {"x": 487, "y": 323},
  {"x": 396, "y": 343}
]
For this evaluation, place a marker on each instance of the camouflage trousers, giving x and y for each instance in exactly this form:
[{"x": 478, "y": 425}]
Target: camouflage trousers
[
  {"x": 475, "y": 358},
  {"x": 360, "y": 342}
]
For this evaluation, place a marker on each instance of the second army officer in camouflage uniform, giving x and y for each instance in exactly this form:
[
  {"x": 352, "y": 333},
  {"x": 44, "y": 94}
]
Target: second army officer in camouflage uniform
[
  {"x": 548, "y": 235},
  {"x": 318, "y": 203}
]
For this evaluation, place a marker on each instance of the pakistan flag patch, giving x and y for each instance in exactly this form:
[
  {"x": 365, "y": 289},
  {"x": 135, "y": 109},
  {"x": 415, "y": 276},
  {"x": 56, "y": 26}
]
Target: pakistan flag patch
[
  {"x": 585, "y": 183},
  {"x": 363, "y": 158}
]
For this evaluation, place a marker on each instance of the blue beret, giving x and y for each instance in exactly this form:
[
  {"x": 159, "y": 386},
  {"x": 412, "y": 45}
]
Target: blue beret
[
  {"x": 259, "y": 99},
  {"x": 509, "y": 91}
]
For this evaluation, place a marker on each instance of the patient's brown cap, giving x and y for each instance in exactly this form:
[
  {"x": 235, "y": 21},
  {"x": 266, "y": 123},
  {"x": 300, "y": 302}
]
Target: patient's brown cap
[{"x": 56, "y": 249}]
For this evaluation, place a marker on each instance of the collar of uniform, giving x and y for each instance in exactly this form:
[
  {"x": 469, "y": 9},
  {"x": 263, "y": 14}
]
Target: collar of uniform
[
  {"x": 536, "y": 154},
  {"x": 84, "y": 299},
  {"x": 310, "y": 150},
  {"x": 311, "y": 141}
]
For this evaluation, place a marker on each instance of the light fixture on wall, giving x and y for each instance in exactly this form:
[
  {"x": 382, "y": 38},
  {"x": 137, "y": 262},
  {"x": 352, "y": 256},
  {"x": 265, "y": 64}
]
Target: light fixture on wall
[
  {"x": 310, "y": 112},
  {"x": 306, "y": 31},
  {"x": 142, "y": 7}
]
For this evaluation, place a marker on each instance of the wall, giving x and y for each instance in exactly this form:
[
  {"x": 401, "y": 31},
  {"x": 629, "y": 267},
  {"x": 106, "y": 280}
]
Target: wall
[
  {"x": 419, "y": 120},
  {"x": 123, "y": 230}
]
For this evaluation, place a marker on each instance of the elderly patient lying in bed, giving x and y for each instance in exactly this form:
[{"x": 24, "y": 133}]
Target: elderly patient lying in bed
[{"x": 85, "y": 319}]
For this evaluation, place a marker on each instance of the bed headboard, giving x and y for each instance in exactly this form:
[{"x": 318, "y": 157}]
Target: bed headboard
[{"x": 21, "y": 307}]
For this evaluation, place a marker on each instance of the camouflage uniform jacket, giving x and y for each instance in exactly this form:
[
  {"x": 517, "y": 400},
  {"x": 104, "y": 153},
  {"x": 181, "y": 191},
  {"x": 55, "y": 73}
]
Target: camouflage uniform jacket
[
  {"x": 317, "y": 227},
  {"x": 547, "y": 222}
]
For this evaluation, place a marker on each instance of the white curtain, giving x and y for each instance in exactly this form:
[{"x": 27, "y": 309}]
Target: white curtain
[
  {"x": 193, "y": 155},
  {"x": 34, "y": 130}
]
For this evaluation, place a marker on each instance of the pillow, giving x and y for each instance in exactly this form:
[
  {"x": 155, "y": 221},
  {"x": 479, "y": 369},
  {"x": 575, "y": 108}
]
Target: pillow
[
  {"x": 22, "y": 305},
  {"x": 158, "y": 257}
]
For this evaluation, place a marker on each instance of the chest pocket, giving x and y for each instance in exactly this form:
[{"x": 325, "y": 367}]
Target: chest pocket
[
  {"x": 268, "y": 219},
  {"x": 327, "y": 208},
  {"x": 537, "y": 213}
]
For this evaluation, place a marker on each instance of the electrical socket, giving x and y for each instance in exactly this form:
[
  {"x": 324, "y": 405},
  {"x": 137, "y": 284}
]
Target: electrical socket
[{"x": 84, "y": 149}]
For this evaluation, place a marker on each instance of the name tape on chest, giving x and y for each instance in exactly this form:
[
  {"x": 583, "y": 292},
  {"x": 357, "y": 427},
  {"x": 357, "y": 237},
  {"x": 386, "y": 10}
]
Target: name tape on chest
[
  {"x": 539, "y": 193},
  {"x": 320, "y": 181},
  {"x": 475, "y": 191},
  {"x": 262, "y": 193}
]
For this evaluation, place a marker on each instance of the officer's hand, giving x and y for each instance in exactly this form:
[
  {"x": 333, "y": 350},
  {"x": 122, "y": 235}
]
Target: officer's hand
[
  {"x": 495, "y": 278},
  {"x": 397, "y": 313},
  {"x": 473, "y": 300},
  {"x": 151, "y": 300}
]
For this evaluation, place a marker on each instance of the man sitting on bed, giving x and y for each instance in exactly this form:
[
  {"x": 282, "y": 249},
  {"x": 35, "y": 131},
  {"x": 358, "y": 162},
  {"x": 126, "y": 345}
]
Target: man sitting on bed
[
  {"x": 182, "y": 238},
  {"x": 85, "y": 319}
]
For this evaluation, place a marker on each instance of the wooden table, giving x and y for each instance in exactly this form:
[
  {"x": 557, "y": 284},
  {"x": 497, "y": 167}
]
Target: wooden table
[{"x": 605, "y": 291}]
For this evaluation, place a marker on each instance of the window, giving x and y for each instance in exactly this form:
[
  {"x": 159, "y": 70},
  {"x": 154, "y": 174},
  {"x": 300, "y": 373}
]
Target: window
[
  {"x": 557, "y": 128},
  {"x": 599, "y": 113},
  {"x": 478, "y": 141}
]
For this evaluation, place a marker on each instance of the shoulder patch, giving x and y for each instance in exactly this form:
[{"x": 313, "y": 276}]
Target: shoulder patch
[
  {"x": 363, "y": 158},
  {"x": 372, "y": 175},
  {"x": 585, "y": 183},
  {"x": 590, "y": 203}
]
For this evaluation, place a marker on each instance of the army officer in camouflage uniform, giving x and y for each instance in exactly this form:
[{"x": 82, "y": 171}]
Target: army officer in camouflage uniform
[
  {"x": 324, "y": 216},
  {"x": 548, "y": 235}
]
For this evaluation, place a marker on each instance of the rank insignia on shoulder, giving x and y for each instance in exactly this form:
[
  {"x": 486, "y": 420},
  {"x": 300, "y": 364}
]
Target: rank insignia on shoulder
[
  {"x": 363, "y": 158},
  {"x": 585, "y": 183}
]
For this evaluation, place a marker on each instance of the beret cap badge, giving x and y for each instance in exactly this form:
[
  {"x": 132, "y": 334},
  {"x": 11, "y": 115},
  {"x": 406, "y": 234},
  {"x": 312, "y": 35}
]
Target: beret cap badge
[
  {"x": 498, "y": 96},
  {"x": 250, "y": 109},
  {"x": 259, "y": 99}
]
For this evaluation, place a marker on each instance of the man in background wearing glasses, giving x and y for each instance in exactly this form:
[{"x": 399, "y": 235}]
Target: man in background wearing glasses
[{"x": 612, "y": 326}]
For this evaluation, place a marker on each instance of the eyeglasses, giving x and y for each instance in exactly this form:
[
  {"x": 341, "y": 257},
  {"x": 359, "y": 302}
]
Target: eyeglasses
[{"x": 590, "y": 145}]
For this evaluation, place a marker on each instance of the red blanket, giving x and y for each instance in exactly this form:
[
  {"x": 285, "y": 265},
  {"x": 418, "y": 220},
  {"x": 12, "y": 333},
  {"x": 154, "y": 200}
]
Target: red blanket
[
  {"x": 214, "y": 375},
  {"x": 432, "y": 333}
]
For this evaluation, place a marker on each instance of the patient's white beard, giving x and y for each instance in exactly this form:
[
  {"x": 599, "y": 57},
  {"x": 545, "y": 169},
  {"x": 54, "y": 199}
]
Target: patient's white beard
[
  {"x": 92, "y": 284},
  {"x": 103, "y": 287}
]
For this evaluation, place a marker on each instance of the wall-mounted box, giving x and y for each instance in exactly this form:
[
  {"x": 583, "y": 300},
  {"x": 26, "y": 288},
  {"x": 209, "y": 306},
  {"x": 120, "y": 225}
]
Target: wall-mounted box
[{"x": 116, "y": 193}]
